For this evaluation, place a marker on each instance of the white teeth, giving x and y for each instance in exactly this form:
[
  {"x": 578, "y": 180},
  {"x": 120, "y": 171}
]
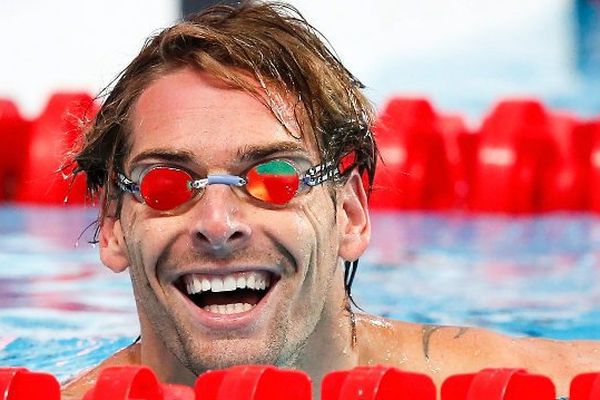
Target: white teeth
[
  {"x": 241, "y": 282},
  {"x": 263, "y": 283},
  {"x": 251, "y": 282},
  {"x": 229, "y": 284},
  {"x": 256, "y": 280},
  {"x": 216, "y": 285},
  {"x": 228, "y": 308}
]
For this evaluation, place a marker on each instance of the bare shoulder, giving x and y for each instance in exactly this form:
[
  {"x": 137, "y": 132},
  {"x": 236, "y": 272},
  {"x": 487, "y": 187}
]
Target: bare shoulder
[
  {"x": 441, "y": 351},
  {"x": 76, "y": 388}
]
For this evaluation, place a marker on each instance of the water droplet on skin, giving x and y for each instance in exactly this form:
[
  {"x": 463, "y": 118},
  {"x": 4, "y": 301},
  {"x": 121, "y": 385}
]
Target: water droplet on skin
[
  {"x": 388, "y": 355},
  {"x": 379, "y": 323},
  {"x": 435, "y": 370}
]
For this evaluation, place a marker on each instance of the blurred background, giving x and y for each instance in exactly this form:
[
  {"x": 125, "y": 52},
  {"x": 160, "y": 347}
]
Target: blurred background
[{"x": 463, "y": 54}]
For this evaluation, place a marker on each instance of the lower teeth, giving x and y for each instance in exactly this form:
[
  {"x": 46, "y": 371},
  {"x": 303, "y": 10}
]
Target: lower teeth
[{"x": 228, "y": 308}]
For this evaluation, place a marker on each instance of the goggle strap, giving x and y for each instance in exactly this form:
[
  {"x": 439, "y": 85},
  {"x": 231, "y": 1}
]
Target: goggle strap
[
  {"x": 320, "y": 173},
  {"x": 126, "y": 184},
  {"x": 231, "y": 180}
]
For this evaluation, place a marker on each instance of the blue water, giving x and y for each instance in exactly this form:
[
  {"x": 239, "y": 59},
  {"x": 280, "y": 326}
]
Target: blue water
[{"x": 61, "y": 311}]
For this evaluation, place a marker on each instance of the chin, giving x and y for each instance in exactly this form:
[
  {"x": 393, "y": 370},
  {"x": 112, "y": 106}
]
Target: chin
[{"x": 225, "y": 353}]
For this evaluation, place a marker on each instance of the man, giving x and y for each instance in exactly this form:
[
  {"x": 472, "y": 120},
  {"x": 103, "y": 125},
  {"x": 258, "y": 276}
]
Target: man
[{"x": 231, "y": 156}]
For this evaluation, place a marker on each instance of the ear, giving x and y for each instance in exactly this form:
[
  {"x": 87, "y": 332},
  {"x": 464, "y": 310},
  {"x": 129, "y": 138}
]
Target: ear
[
  {"x": 113, "y": 250},
  {"x": 354, "y": 224}
]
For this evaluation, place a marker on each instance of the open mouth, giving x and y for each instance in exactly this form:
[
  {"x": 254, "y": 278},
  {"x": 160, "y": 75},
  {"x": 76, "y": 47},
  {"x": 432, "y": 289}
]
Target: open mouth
[{"x": 227, "y": 294}]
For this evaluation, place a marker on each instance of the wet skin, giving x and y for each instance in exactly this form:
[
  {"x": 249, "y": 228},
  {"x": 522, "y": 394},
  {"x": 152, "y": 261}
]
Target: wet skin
[
  {"x": 190, "y": 119},
  {"x": 433, "y": 350}
]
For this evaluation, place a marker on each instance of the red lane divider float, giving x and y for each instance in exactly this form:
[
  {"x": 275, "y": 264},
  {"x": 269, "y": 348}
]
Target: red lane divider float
[
  {"x": 563, "y": 176},
  {"x": 261, "y": 382},
  {"x": 135, "y": 383},
  {"x": 14, "y": 131},
  {"x": 51, "y": 135},
  {"x": 253, "y": 382},
  {"x": 593, "y": 183},
  {"x": 498, "y": 384},
  {"x": 377, "y": 383},
  {"x": 523, "y": 159},
  {"x": 461, "y": 151},
  {"x": 513, "y": 149},
  {"x": 21, "y": 384},
  {"x": 415, "y": 172},
  {"x": 585, "y": 387}
]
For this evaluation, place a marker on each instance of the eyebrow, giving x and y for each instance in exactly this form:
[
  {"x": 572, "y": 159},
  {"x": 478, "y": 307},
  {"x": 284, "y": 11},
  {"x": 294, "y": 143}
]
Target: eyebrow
[
  {"x": 170, "y": 155},
  {"x": 248, "y": 153},
  {"x": 255, "y": 153}
]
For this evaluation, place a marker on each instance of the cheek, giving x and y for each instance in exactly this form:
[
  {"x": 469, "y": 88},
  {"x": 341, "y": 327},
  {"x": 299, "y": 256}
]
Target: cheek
[
  {"x": 145, "y": 237},
  {"x": 318, "y": 223}
]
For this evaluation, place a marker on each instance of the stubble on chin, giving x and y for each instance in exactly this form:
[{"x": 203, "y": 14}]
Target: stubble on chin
[
  {"x": 283, "y": 347},
  {"x": 224, "y": 353}
]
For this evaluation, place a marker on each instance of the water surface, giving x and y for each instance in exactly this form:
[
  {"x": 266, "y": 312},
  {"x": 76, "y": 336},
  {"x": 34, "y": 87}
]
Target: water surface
[{"x": 61, "y": 311}]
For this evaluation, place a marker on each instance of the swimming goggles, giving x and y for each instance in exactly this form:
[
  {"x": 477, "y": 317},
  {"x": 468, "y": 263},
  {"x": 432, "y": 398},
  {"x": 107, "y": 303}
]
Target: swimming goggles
[{"x": 277, "y": 182}]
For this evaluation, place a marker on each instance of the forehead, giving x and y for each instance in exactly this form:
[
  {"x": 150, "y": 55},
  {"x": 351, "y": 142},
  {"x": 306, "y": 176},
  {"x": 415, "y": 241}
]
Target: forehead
[{"x": 192, "y": 111}]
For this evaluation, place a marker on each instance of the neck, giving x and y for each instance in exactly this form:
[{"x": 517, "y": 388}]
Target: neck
[
  {"x": 164, "y": 363},
  {"x": 331, "y": 346}
]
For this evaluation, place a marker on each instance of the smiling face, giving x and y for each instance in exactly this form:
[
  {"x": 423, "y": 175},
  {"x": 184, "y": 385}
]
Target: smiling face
[{"x": 226, "y": 279}]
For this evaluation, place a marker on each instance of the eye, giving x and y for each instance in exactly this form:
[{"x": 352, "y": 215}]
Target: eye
[
  {"x": 274, "y": 181},
  {"x": 165, "y": 188}
]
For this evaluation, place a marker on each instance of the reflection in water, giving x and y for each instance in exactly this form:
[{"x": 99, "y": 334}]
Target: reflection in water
[{"x": 524, "y": 275}]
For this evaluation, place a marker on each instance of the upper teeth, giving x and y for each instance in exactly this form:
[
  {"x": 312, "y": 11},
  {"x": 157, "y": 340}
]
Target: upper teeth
[{"x": 257, "y": 280}]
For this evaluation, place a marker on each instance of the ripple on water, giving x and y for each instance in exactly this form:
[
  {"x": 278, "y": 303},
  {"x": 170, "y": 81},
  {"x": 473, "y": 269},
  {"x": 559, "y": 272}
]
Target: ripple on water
[
  {"x": 61, "y": 311},
  {"x": 62, "y": 357}
]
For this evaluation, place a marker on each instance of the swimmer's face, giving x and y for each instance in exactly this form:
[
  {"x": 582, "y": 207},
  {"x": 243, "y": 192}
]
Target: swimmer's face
[{"x": 286, "y": 261}]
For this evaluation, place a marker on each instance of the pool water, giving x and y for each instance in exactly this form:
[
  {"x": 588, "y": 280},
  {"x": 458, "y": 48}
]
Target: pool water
[{"x": 61, "y": 311}]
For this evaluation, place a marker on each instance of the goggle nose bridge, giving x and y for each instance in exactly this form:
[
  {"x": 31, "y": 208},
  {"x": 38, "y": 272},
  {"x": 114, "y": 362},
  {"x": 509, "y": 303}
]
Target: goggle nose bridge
[{"x": 231, "y": 180}]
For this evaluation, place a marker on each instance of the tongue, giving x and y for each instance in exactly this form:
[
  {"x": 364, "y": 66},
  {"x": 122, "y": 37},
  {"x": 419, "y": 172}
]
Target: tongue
[{"x": 237, "y": 296}]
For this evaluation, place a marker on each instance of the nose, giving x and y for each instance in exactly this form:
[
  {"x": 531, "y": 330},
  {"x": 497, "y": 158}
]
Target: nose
[{"x": 219, "y": 226}]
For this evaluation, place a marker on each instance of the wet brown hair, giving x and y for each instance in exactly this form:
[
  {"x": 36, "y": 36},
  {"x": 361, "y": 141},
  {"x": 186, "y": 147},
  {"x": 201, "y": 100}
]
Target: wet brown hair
[{"x": 269, "y": 41}]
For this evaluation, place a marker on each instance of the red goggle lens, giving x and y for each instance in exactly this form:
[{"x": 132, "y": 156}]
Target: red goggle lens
[
  {"x": 166, "y": 188},
  {"x": 274, "y": 182}
]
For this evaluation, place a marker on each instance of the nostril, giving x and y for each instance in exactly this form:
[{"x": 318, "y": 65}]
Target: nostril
[
  {"x": 202, "y": 237},
  {"x": 236, "y": 235},
  {"x": 224, "y": 240},
  {"x": 216, "y": 228}
]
